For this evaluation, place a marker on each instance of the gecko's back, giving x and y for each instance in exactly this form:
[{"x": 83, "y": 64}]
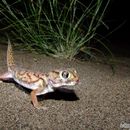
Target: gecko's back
[{"x": 24, "y": 77}]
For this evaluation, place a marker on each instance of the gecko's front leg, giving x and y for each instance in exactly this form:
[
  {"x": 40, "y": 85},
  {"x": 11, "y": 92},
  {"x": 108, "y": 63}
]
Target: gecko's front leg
[
  {"x": 34, "y": 95},
  {"x": 34, "y": 99}
]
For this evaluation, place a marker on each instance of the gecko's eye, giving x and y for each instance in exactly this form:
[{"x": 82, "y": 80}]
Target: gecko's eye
[{"x": 65, "y": 74}]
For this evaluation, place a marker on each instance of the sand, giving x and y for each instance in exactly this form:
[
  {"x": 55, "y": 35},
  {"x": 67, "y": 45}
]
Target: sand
[{"x": 101, "y": 101}]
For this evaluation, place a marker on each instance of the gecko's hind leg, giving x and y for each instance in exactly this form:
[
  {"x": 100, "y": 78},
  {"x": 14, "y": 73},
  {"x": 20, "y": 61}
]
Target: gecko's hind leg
[{"x": 6, "y": 76}]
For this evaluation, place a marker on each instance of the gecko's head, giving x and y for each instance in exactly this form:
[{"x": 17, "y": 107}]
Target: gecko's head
[{"x": 66, "y": 77}]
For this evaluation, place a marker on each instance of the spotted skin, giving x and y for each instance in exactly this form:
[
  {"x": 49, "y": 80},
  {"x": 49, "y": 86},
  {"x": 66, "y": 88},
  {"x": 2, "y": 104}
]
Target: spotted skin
[
  {"x": 10, "y": 58},
  {"x": 39, "y": 83}
]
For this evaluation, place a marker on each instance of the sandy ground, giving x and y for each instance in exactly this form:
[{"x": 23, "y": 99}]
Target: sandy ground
[{"x": 100, "y": 102}]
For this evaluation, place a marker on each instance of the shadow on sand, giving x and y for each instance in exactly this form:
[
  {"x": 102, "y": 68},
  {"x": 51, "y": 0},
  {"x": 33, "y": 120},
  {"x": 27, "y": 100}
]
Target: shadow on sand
[{"x": 58, "y": 94}]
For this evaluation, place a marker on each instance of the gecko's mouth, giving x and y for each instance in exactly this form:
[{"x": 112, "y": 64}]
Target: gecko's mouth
[
  {"x": 66, "y": 84},
  {"x": 72, "y": 83}
]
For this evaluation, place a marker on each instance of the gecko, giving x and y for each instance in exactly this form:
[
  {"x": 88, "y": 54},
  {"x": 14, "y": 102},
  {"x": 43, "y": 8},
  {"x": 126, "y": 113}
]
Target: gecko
[{"x": 39, "y": 83}]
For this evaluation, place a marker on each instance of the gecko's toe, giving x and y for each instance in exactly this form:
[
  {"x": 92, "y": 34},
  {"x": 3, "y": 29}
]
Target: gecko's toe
[
  {"x": 44, "y": 108},
  {"x": 1, "y": 81},
  {"x": 41, "y": 107},
  {"x": 38, "y": 106}
]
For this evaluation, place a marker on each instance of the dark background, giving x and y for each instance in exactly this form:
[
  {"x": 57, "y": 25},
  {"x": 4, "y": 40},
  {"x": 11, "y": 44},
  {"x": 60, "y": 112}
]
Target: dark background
[
  {"x": 117, "y": 18},
  {"x": 118, "y": 14}
]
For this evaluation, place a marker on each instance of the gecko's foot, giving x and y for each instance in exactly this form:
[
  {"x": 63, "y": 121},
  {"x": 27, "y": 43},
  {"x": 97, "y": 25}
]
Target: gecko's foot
[
  {"x": 41, "y": 107},
  {"x": 38, "y": 106},
  {"x": 1, "y": 81}
]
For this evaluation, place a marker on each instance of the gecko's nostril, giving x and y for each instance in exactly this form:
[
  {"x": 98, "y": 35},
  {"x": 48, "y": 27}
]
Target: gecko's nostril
[{"x": 77, "y": 80}]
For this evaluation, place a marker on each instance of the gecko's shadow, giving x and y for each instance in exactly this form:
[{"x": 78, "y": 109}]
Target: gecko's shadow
[
  {"x": 58, "y": 94},
  {"x": 61, "y": 94}
]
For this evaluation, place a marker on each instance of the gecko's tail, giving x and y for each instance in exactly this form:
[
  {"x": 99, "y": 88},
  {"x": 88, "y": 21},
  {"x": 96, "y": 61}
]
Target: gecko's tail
[{"x": 10, "y": 58}]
